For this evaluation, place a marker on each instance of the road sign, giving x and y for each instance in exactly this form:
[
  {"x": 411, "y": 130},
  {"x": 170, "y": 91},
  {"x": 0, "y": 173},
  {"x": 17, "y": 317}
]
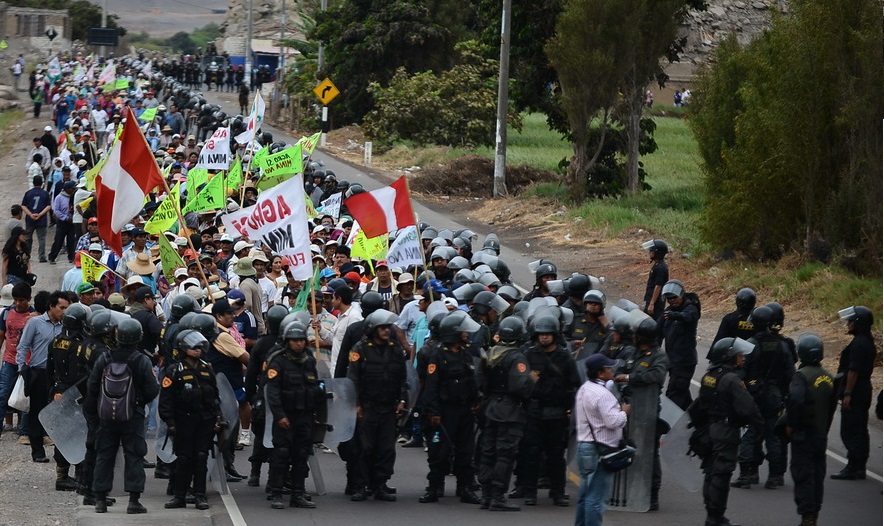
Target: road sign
[
  {"x": 51, "y": 33},
  {"x": 326, "y": 91}
]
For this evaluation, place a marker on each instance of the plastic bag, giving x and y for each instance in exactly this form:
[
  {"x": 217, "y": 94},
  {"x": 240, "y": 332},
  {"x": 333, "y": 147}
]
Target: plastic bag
[{"x": 18, "y": 399}]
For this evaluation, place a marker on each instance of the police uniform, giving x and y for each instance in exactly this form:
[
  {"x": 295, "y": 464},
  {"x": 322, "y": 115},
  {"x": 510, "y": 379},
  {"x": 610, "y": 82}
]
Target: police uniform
[
  {"x": 65, "y": 371},
  {"x": 726, "y": 406},
  {"x": 547, "y": 429},
  {"x": 507, "y": 385},
  {"x": 254, "y": 387},
  {"x": 809, "y": 409},
  {"x": 679, "y": 330},
  {"x": 87, "y": 356},
  {"x": 451, "y": 392},
  {"x": 293, "y": 392},
  {"x": 859, "y": 357},
  {"x": 735, "y": 325},
  {"x": 190, "y": 406},
  {"x": 378, "y": 373},
  {"x": 768, "y": 372},
  {"x": 657, "y": 277},
  {"x": 587, "y": 336}
]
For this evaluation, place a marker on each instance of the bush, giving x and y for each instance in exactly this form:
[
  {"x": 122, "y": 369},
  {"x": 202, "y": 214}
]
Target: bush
[{"x": 455, "y": 108}]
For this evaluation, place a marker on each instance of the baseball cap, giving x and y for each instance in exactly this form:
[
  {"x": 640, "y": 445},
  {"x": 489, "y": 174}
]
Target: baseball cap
[
  {"x": 235, "y": 296},
  {"x": 6, "y": 295},
  {"x": 241, "y": 245},
  {"x": 225, "y": 238},
  {"x": 92, "y": 220},
  {"x": 598, "y": 361},
  {"x": 85, "y": 288},
  {"x": 222, "y": 306},
  {"x": 382, "y": 263},
  {"x": 69, "y": 184},
  {"x": 116, "y": 299},
  {"x": 180, "y": 272},
  {"x": 181, "y": 241},
  {"x": 96, "y": 247},
  {"x": 143, "y": 293},
  {"x": 47, "y": 128},
  {"x": 353, "y": 276}
]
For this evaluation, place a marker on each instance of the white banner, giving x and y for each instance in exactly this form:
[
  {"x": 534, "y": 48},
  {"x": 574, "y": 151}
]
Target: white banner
[
  {"x": 405, "y": 249},
  {"x": 332, "y": 205},
  {"x": 215, "y": 155},
  {"x": 256, "y": 117},
  {"x": 278, "y": 220},
  {"x": 108, "y": 73}
]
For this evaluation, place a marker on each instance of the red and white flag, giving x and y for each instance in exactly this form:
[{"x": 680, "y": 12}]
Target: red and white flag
[
  {"x": 384, "y": 210},
  {"x": 253, "y": 124},
  {"x": 128, "y": 175}
]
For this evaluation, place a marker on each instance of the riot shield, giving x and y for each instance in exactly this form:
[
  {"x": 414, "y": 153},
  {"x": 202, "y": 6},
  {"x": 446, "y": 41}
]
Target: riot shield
[
  {"x": 414, "y": 385},
  {"x": 164, "y": 446},
  {"x": 65, "y": 424},
  {"x": 268, "y": 423},
  {"x": 632, "y": 486},
  {"x": 680, "y": 465},
  {"x": 627, "y": 305},
  {"x": 341, "y": 411},
  {"x": 322, "y": 370},
  {"x": 669, "y": 412},
  {"x": 229, "y": 408},
  {"x": 614, "y": 313},
  {"x": 320, "y": 426}
]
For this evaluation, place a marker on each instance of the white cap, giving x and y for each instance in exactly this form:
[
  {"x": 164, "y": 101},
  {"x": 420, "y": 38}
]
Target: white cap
[
  {"x": 180, "y": 272},
  {"x": 6, "y": 295},
  {"x": 241, "y": 245},
  {"x": 181, "y": 241},
  {"x": 47, "y": 128},
  {"x": 96, "y": 247}
]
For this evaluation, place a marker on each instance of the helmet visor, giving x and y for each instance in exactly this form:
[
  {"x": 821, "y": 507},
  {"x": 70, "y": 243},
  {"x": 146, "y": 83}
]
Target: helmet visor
[
  {"x": 743, "y": 347},
  {"x": 847, "y": 314}
]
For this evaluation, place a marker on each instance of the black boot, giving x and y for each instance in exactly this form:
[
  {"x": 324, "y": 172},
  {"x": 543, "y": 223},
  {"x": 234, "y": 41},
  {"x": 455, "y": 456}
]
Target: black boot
[
  {"x": 744, "y": 481},
  {"x": 161, "y": 471},
  {"x": 560, "y": 500},
  {"x": 134, "y": 506},
  {"x": 774, "y": 481},
  {"x": 63, "y": 482},
  {"x": 468, "y": 496},
  {"x": 299, "y": 500},
  {"x": 499, "y": 502},
  {"x": 380, "y": 493},
  {"x": 201, "y": 502},
  {"x": 486, "y": 497},
  {"x": 430, "y": 495},
  {"x": 848, "y": 473},
  {"x": 276, "y": 501},
  {"x": 100, "y": 503},
  {"x": 255, "y": 475},
  {"x": 809, "y": 519},
  {"x": 530, "y": 497},
  {"x": 359, "y": 494},
  {"x": 176, "y": 502}
]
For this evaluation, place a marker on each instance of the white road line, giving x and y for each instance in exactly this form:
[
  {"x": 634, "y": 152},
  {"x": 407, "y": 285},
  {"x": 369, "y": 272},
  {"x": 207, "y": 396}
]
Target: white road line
[
  {"x": 829, "y": 452},
  {"x": 233, "y": 510}
]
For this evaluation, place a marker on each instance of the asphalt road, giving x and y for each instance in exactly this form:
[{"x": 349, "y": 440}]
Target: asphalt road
[{"x": 856, "y": 503}]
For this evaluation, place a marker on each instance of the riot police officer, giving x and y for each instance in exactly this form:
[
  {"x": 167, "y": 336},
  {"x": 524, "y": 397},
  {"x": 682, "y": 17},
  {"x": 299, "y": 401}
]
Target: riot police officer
[
  {"x": 450, "y": 400},
  {"x": 647, "y": 365},
  {"x": 809, "y": 410},
  {"x": 618, "y": 344},
  {"x": 377, "y": 369},
  {"x": 545, "y": 272},
  {"x": 855, "y": 390},
  {"x": 725, "y": 406},
  {"x": 485, "y": 310},
  {"x": 293, "y": 395},
  {"x": 768, "y": 372},
  {"x": 254, "y": 385},
  {"x": 589, "y": 331},
  {"x": 736, "y": 324},
  {"x": 66, "y": 371},
  {"x": 546, "y": 432},
  {"x": 130, "y": 433},
  {"x": 506, "y": 382},
  {"x": 657, "y": 277},
  {"x": 678, "y": 327},
  {"x": 190, "y": 406}
]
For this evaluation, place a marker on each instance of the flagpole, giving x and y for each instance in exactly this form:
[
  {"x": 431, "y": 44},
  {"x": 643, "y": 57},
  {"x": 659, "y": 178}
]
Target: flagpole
[
  {"x": 418, "y": 229},
  {"x": 105, "y": 266},
  {"x": 315, "y": 313}
]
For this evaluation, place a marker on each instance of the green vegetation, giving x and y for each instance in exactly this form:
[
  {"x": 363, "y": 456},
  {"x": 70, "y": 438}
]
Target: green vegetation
[
  {"x": 180, "y": 42},
  {"x": 7, "y": 119},
  {"x": 84, "y": 14}
]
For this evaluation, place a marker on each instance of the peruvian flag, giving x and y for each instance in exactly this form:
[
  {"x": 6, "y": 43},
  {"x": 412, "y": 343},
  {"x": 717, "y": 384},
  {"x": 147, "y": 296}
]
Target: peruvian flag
[
  {"x": 383, "y": 210},
  {"x": 128, "y": 175}
]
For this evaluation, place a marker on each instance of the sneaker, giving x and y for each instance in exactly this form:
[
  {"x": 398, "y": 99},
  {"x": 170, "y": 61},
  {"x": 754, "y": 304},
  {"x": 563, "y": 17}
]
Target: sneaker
[
  {"x": 325, "y": 449},
  {"x": 402, "y": 439},
  {"x": 48, "y": 441},
  {"x": 24, "y": 440},
  {"x": 245, "y": 438}
]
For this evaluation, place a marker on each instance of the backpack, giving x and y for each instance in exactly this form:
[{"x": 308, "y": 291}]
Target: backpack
[
  {"x": 116, "y": 403},
  {"x": 692, "y": 297}
]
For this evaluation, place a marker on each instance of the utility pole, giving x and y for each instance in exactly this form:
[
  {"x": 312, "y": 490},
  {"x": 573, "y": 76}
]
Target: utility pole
[
  {"x": 323, "y": 6},
  {"x": 503, "y": 81},
  {"x": 102, "y": 51},
  {"x": 248, "y": 47}
]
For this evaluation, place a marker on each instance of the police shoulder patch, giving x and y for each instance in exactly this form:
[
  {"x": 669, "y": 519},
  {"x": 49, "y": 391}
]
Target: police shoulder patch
[
  {"x": 431, "y": 368},
  {"x": 645, "y": 364},
  {"x": 354, "y": 356},
  {"x": 167, "y": 382},
  {"x": 522, "y": 367},
  {"x": 271, "y": 373}
]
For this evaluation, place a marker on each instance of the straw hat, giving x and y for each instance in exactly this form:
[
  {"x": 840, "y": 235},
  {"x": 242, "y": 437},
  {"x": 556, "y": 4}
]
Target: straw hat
[
  {"x": 141, "y": 265},
  {"x": 244, "y": 267}
]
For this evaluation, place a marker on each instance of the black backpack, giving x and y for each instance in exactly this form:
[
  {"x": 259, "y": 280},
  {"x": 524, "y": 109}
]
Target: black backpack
[{"x": 116, "y": 403}]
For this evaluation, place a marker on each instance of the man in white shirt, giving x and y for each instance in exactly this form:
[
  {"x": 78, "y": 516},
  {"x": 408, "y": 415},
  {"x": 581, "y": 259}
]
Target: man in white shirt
[{"x": 343, "y": 301}]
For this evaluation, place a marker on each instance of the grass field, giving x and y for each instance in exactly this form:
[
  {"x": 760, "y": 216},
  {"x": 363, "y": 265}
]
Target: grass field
[{"x": 7, "y": 119}]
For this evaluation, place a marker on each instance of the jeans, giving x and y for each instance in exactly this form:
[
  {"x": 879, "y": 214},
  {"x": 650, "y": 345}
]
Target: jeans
[
  {"x": 595, "y": 486},
  {"x": 8, "y": 376},
  {"x": 41, "y": 241}
]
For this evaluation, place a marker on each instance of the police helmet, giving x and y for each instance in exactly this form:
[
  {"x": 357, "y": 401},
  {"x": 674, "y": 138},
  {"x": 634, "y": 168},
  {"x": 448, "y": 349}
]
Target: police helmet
[
  {"x": 455, "y": 323},
  {"x": 520, "y": 309},
  {"x": 102, "y": 323},
  {"x": 594, "y": 296},
  {"x": 295, "y": 331},
  {"x": 657, "y": 246},
  {"x": 621, "y": 326},
  {"x": 429, "y": 233},
  {"x": 129, "y": 332},
  {"x": 486, "y": 301},
  {"x": 286, "y": 321},
  {"x": 458, "y": 263},
  {"x": 205, "y": 324},
  {"x": 372, "y": 301},
  {"x": 509, "y": 293},
  {"x": 500, "y": 268},
  {"x": 182, "y": 304},
  {"x": 275, "y": 315},
  {"x": 489, "y": 280},
  {"x": 75, "y": 317},
  {"x": 726, "y": 349},
  {"x": 860, "y": 316},
  {"x": 378, "y": 318},
  {"x": 546, "y": 324},
  {"x": 673, "y": 288},
  {"x": 511, "y": 330},
  {"x": 761, "y": 317},
  {"x": 465, "y": 276},
  {"x": 492, "y": 242},
  {"x": 354, "y": 189},
  {"x": 546, "y": 269},
  {"x": 745, "y": 299},
  {"x": 647, "y": 332},
  {"x": 343, "y": 185},
  {"x": 779, "y": 316},
  {"x": 186, "y": 321},
  {"x": 191, "y": 339},
  {"x": 578, "y": 285},
  {"x": 810, "y": 349}
]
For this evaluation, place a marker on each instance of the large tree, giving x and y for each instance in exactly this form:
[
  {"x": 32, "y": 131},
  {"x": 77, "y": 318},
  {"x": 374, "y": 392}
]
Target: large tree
[{"x": 789, "y": 129}]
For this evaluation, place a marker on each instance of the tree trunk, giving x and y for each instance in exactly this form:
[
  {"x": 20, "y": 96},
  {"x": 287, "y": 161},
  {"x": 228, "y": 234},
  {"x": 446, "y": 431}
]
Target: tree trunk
[{"x": 633, "y": 137}]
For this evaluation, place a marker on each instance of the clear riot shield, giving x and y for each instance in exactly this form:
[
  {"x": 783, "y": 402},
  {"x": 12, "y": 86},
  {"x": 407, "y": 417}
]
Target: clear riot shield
[
  {"x": 65, "y": 424},
  {"x": 320, "y": 427},
  {"x": 322, "y": 370},
  {"x": 164, "y": 446},
  {"x": 632, "y": 486},
  {"x": 268, "y": 423},
  {"x": 413, "y": 386},
  {"x": 680, "y": 465},
  {"x": 341, "y": 411},
  {"x": 230, "y": 413}
]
